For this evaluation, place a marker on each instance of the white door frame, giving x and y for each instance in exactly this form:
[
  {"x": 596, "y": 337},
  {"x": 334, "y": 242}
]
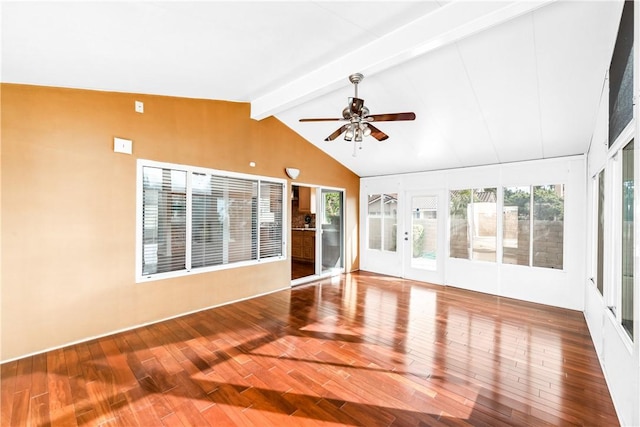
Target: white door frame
[
  {"x": 408, "y": 271},
  {"x": 318, "y": 271}
]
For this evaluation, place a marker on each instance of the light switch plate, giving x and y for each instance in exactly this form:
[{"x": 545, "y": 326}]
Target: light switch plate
[
  {"x": 139, "y": 107},
  {"x": 121, "y": 145}
]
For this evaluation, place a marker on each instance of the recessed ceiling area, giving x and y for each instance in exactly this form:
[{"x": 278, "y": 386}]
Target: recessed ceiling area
[{"x": 490, "y": 82}]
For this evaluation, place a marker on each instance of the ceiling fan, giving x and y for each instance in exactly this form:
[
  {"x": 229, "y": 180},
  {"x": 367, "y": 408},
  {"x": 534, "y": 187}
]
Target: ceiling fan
[{"x": 360, "y": 121}]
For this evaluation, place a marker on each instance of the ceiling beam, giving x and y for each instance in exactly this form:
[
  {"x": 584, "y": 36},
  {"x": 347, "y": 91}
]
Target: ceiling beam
[{"x": 448, "y": 24}]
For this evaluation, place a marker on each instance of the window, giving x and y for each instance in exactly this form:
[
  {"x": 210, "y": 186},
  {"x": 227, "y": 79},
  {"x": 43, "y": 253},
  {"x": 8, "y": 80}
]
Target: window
[
  {"x": 473, "y": 224},
  {"x": 533, "y": 237},
  {"x": 620, "y": 294},
  {"x": 626, "y": 295},
  {"x": 548, "y": 226},
  {"x": 271, "y": 227},
  {"x": 459, "y": 204},
  {"x": 516, "y": 226},
  {"x": 195, "y": 219},
  {"x": 485, "y": 221},
  {"x": 382, "y": 218},
  {"x": 222, "y": 220},
  {"x": 600, "y": 236},
  {"x": 621, "y": 76},
  {"x": 164, "y": 220}
]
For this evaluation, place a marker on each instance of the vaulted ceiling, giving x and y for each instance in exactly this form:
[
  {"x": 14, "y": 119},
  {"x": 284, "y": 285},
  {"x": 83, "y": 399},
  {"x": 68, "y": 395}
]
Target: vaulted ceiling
[{"x": 490, "y": 82}]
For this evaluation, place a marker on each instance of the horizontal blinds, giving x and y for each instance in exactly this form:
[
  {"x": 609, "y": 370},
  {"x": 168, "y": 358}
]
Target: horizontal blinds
[
  {"x": 206, "y": 225},
  {"x": 164, "y": 220},
  {"x": 424, "y": 203},
  {"x": 240, "y": 218},
  {"x": 271, "y": 221},
  {"x": 193, "y": 218},
  {"x": 223, "y": 220}
]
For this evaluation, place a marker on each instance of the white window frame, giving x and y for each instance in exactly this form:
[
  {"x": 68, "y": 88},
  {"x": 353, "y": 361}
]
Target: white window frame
[
  {"x": 471, "y": 223},
  {"x": 613, "y": 278},
  {"x": 606, "y": 251},
  {"x": 500, "y": 224},
  {"x": 142, "y": 163},
  {"x": 382, "y": 218}
]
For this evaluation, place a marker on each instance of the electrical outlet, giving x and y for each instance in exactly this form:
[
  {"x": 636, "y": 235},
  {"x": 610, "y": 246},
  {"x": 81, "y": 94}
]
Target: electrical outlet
[{"x": 139, "y": 107}]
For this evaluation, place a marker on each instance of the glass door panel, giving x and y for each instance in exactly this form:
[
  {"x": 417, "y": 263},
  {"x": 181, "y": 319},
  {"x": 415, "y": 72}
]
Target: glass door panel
[
  {"x": 424, "y": 237},
  {"x": 424, "y": 232},
  {"x": 332, "y": 231}
]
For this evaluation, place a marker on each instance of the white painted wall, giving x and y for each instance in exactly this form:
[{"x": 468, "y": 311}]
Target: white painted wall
[
  {"x": 619, "y": 358},
  {"x": 562, "y": 288},
  {"x": 571, "y": 287}
]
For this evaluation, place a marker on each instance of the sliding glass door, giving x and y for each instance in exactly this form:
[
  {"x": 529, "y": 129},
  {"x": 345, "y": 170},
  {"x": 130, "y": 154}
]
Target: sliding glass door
[
  {"x": 317, "y": 233},
  {"x": 332, "y": 231}
]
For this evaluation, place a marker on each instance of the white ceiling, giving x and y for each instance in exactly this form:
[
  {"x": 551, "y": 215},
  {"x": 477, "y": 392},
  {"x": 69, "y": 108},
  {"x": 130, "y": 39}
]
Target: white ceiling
[{"x": 490, "y": 82}]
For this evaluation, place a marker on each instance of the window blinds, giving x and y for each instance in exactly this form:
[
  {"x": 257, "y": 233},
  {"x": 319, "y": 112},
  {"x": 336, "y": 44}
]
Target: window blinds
[
  {"x": 223, "y": 220},
  {"x": 163, "y": 219},
  {"x": 270, "y": 215},
  {"x": 197, "y": 219}
]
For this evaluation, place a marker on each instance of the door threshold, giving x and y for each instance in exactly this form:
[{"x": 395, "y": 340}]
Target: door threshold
[{"x": 326, "y": 275}]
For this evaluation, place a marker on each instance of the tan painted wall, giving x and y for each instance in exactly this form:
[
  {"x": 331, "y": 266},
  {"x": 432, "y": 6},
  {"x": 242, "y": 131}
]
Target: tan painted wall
[{"x": 68, "y": 207}]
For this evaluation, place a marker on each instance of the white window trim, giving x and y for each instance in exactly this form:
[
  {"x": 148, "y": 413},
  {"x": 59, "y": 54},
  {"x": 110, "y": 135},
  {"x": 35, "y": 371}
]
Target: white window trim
[
  {"x": 141, "y": 163},
  {"x": 595, "y": 204},
  {"x": 499, "y": 224},
  {"x": 382, "y": 218},
  {"x": 613, "y": 230}
]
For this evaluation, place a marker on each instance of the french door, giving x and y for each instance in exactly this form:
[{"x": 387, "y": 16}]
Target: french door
[{"x": 423, "y": 236}]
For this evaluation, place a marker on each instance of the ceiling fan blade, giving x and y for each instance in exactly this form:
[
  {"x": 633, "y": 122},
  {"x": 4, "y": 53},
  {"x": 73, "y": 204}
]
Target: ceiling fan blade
[
  {"x": 377, "y": 133},
  {"x": 337, "y": 133},
  {"x": 390, "y": 117},
  {"x": 321, "y": 119}
]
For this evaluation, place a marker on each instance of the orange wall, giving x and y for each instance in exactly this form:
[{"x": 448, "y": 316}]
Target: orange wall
[{"x": 69, "y": 207}]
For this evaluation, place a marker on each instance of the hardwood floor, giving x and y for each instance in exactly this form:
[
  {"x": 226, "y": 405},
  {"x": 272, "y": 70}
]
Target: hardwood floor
[
  {"x": 360, "y": 349},
  {"x": 302, "y": 269}
]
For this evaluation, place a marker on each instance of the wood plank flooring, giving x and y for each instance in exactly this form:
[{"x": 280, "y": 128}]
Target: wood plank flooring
[
  {"x": 360, "y": 349},
  {"x": 302, "y": 269}
]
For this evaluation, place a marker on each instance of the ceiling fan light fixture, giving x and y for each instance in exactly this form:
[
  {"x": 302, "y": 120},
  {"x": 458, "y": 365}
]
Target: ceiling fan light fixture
[
  {"x": 359, "y": 134},
  {"x": 366, "y": 130},
  {"x": 348, "y": 135}
]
